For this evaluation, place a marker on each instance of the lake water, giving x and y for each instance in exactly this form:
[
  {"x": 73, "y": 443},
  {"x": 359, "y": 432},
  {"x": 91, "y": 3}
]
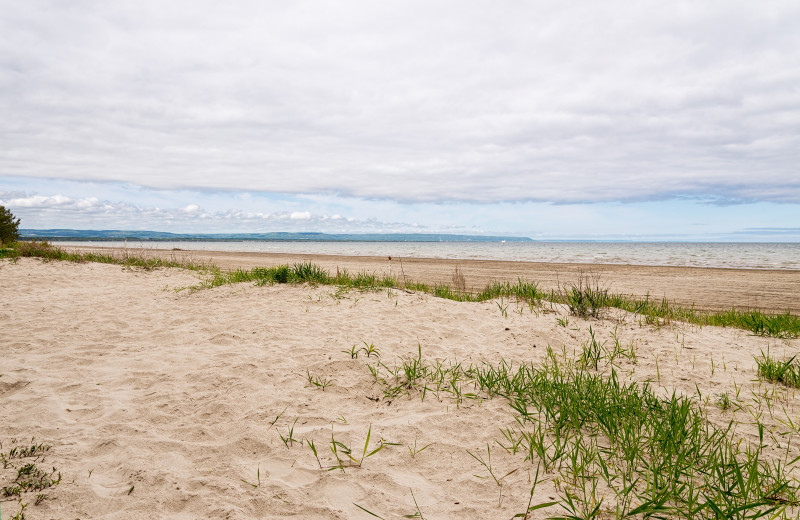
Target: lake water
[{"x": 731, "y": 255}]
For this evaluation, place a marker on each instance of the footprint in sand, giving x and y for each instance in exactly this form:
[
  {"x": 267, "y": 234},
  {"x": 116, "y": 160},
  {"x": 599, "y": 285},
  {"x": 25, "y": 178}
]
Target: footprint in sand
[
  {"x": 111, "y": 484},
  {"x": 7, "y": 388}
]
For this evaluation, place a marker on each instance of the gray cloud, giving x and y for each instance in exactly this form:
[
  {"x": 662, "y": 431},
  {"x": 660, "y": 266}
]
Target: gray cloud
[{"x": 409, "y": 101}]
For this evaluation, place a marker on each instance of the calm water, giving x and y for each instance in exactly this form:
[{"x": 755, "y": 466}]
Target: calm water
[{"x": 738, "y": 255}]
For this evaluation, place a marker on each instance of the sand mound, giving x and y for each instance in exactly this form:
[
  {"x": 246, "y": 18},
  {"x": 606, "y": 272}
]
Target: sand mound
[{"x": 162, "y": 403}]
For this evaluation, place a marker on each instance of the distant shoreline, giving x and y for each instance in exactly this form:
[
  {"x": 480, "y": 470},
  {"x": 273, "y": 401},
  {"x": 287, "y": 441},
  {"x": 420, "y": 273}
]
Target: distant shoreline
[
  {"x": 223, "y": 240},
  {"x": 159, "y": 236},
  {"x": 779, "y": 256}
]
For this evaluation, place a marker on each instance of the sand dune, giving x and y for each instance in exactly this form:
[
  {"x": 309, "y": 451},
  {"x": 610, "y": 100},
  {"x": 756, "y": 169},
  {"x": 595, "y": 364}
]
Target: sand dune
[
  {"x": 159, "y": 401},
  {"x": 706, "y": 288}
]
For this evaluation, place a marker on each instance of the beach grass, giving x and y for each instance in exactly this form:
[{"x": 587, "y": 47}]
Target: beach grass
[
  {"x": 785, "y": 371},
  {"x": 585, "y": 297},
  {"x": 47, "y": 251},
  {"x": 615, "y": 448}
]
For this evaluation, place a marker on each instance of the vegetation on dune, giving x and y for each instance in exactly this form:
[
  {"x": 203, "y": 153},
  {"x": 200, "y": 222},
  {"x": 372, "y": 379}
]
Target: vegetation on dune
[
  {"x": 22, "y": 474},
  {"x": 613, "y": 448},
  {"x": 299, "y": 273},
  {"x": 605, "y": 444},
  {"x": 588, "y": 299},
  {"x": 585, "y": 297},
  {"x": 47, "y": 251},
  {"x": 785, "y": 371}
]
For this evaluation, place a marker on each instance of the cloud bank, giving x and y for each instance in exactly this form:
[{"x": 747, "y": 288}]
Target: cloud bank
[
  {"x": 125, "y": 207},
  {"x": 57, "y": 211},
  {"x": 413, "y": 102}
]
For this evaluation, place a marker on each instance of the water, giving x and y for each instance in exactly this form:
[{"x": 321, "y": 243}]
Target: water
[{"x": 730, "y": 255}]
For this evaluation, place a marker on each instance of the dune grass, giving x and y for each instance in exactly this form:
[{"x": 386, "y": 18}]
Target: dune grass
[
  {"x": 785, "y": 371},
  {"x": 297, "y": 274},
  {"x": 614, "y": 448},
  {"x": 47, "y": 251},
  {"x": 585, "y": 297}
]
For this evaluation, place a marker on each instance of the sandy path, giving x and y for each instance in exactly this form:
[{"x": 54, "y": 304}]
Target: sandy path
[
  {"x": 707, "y": 288},
  {"x": 158, "y": 402}
]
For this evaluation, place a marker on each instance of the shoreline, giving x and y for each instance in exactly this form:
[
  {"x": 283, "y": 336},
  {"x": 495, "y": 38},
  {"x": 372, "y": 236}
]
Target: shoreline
[
  {"x": 733, "y": 256},
  {"x": 707, "y": 288}
]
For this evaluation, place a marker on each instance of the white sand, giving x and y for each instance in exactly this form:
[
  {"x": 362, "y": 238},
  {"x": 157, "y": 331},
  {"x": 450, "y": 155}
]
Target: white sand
[{"x": 171, "y": 393}]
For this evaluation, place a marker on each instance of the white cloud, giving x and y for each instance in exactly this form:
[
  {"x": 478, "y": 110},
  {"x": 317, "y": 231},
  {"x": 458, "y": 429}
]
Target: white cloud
[
  {"x": 220, "y": 213},
  {"x": 408, "y": 101},
  {"x": 59, "y": 211},
  {"x": 40, "y": 201}
]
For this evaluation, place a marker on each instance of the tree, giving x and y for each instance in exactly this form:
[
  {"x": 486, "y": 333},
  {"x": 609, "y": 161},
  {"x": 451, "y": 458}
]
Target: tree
[{"x": 9, "y": 227}]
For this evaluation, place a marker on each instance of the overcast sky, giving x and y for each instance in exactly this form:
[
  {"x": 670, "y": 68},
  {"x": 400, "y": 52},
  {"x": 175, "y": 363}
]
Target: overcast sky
[{"x": 580, "y": 119}]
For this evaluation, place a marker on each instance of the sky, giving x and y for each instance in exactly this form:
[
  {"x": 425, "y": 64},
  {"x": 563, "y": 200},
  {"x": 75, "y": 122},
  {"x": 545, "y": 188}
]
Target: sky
[{"x": 554, "y": 120}]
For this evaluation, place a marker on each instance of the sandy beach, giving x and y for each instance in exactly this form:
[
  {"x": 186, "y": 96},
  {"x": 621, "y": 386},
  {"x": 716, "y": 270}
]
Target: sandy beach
[{"x": 161, "y": 402}]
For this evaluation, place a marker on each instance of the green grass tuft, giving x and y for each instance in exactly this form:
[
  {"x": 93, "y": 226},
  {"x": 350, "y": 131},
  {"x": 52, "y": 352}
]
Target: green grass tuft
[{"x": 786, "y": 372}]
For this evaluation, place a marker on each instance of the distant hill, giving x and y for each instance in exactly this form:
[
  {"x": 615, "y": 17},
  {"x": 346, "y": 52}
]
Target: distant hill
[{"x": 114, "y": 234}]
